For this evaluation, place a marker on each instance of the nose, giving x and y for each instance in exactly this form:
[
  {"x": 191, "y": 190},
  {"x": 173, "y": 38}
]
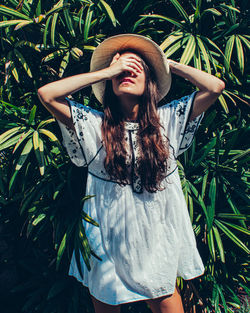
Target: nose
[{"x": 127, "y": 74}]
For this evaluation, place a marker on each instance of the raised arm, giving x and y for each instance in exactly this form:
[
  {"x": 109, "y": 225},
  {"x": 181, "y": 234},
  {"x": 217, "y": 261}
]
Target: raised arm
[
  {"x": 210, "y": 86},
  {"x": 53, "y": 94}
]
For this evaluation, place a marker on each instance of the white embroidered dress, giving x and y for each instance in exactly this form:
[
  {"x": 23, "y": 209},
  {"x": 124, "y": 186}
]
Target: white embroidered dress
[{"x": 145, "y": 240}]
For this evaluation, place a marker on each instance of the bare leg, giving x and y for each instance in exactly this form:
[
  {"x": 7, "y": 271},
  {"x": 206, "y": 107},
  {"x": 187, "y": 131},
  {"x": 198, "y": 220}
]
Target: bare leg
[
  {"x": 167, "y": 304},
  {"x": 101, "y": 307}
]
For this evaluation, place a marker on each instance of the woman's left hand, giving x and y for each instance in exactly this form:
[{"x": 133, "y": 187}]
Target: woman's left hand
[{"x": 210, "y": 86}]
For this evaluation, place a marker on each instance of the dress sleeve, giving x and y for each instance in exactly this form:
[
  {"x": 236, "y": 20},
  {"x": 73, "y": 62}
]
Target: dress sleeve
[
  {"x": 84, "y": 143},
  {"x": 174, "y": 116}
]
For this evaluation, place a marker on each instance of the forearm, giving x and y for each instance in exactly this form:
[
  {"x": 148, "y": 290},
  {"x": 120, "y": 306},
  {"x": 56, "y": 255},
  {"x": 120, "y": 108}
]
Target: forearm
[
  {"x": 64, "y": 87},
  {"x": 202, "y": 80}
]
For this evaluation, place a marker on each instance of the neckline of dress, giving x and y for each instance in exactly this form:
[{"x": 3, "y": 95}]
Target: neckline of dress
[{"x": 131, "y": 125}]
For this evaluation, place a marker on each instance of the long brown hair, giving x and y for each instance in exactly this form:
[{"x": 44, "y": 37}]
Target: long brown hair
[{"x": 153, "y": 151}]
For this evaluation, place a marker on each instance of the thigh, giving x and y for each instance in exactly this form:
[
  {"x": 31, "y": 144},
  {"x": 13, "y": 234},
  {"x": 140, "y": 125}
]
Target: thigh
[
  {"x": 167, "y": 304},
  {"x": 101, "y": 307}
]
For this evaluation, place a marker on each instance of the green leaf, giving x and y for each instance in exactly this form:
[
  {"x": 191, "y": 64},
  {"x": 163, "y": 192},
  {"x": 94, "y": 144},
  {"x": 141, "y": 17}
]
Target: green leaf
[
  {"x": 14, "y": 71},
  {"x": 240, "y": 53},
  {"x": 24, "y": 154},
  {"x": 176, "y": 46},
  {"x": 223, "y": 103},
  {"x": 9, "y": 133},
  {"x": 53, "y": 28},
  {"x": 12, "y": 181},
  {"x": 204, "y": 185},
  {"x": 69, "y": 22},
  {"x": 64, "y": 63},
  {"x": 45, "y": 122},
  {"x": 46, "y": 31},
  {"x": 199, "y": 199},
  {"x": 53, "y": 55},
  {"x": 229, "y": 7},
  {"x": 201, "y": 155},
  {"x": 239, "y": 228},
  {"x": 88, "y": 219},
  {"x": 170, "y": 41},
  {"x": 32, "y": 115},
  {"x": 84, "y": 246},
  {"x": 219, "y": 243},
  {"x": 38, "y": 219},
  {"x": 233, "y": 216},
  {"x": 49, "y": 134},
  {"x": 244, "y": 39},
  {"x": 22, "y": 24},
  {"x": 61, "y": 250},
  {"x": 38, "y": 148},
  {"x": 188, "y": 51},
  {"x": 109, "y": 12},
  {"x": 23, "y": 43},
  {"x": 11, "y": 12},
  {"x": 211, "y": 10},
  {"x": 228, "y": 51},
  {"x": 87, "y": 23},
  {"x": 181, "y": 10},
  {"x": 197, "y": 58},
  {"x": 127, "y": 6},
  {"x": 41, "y": 151},
  {"x": 212, "y": 201},
  {"x": 204, "y": 54},
  {"x": 60, "y": 6},
  {"x": 232, "y": 236},
  {"x": 210, "y": 240},
  {"x": 22, "y": 138},
  {"x": 223, "y": 299},
  {"x": 10, "y": 23}
]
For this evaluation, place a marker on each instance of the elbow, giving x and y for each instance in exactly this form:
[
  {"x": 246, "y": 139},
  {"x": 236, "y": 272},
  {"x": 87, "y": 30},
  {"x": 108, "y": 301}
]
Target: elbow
[
  {"x": 218, "y": 87},
  {"x": 43, "y": 95}
]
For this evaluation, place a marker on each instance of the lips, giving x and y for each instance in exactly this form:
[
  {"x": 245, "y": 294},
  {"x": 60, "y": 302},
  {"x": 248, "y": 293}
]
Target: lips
[{"x": 126, "y": 80}]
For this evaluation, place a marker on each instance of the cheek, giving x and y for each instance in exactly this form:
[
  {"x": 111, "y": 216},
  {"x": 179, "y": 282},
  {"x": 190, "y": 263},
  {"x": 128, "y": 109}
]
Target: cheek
[{"x": 143, "y": 86}]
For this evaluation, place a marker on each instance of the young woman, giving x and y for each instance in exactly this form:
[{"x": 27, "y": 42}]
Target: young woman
[{"x": 145, "y": 238}]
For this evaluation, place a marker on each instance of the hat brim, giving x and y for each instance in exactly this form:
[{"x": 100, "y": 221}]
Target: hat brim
[{"x": 149, "y": 51}]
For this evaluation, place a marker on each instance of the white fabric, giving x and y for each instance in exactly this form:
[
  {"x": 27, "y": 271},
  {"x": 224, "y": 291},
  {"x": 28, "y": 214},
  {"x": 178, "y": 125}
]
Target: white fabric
[{"x": 145, "y": 239}]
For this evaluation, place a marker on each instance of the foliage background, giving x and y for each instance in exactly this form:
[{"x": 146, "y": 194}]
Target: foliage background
[{"x": 41, "y": 192}]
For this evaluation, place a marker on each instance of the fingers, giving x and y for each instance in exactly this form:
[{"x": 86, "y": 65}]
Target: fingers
[
  {"x": 135, "y": 64},
  {"x": 125, "y": 63},
  {"x": 115, "y": 58}
]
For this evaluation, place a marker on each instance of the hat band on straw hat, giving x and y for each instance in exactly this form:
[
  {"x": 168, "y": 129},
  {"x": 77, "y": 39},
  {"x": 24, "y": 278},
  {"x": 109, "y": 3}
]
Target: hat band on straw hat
[{"x": 147, "y": 49}]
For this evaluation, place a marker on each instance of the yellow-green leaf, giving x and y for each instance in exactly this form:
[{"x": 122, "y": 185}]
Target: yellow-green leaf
[
  {"x": 49, "y": 134},
  {"x": 219, "y": 243},
  {"x": 188, "y": 51},
  {"x": 240, "y": 53},
  {"x": 204, "y": 52},
  {"x": 169, "y": 41},
  {"x": 109, "y": 11},
  {"x": 23, "y": 156},
  {"x": 22, "y": 24},
  {"x": 228, "y": 51},
  {"x": 64, "y": 63},
  {"x": 23, "y": 62}
]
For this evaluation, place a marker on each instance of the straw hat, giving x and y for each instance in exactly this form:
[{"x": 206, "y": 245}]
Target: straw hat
[{"x": 148, "y": 49}]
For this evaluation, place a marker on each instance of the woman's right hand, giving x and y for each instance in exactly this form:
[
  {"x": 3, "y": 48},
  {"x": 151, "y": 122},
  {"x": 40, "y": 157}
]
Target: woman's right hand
[{"x": 124, "y": 63}]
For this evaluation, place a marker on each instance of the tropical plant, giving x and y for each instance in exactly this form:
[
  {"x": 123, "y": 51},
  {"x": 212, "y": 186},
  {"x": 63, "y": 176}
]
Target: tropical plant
[{"x": 42, "y": 193}]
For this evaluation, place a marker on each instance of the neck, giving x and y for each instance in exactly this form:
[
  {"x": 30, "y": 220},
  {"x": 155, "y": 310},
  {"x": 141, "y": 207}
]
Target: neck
[{"x": 129, "y": 107}]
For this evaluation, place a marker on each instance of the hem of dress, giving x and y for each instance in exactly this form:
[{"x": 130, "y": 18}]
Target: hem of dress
[
  {"x": 124, "y": 301},
  {"x": 142, "y": 298},
  {"x": 198, "y": 274}
]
